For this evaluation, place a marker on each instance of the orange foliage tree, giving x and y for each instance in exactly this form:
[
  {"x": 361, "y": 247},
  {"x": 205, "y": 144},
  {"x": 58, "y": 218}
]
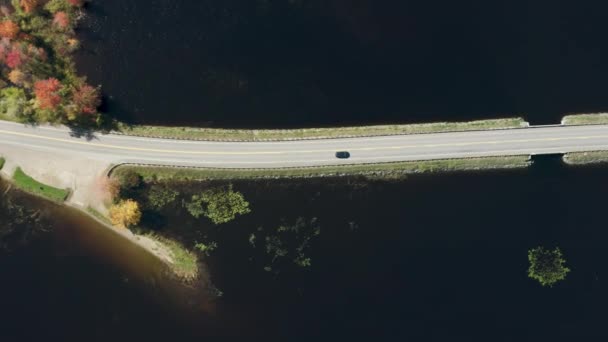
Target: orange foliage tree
[
  {"x": 8, "y": 29},
  {"x": 47, "y": 93},
  {"x": 30, "y": 6}
]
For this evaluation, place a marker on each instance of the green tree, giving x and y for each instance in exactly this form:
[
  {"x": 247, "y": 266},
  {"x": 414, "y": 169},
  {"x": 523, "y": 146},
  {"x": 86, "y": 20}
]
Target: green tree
[
  {"x": 547, "y": 266},
  {"x": 220, "y": 205},
  {"x": 160, "y": 196}
]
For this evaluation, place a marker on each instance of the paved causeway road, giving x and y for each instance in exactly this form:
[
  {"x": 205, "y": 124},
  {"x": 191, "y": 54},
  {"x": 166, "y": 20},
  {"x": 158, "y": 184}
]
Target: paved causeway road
[{"x": 127, "y": 149}]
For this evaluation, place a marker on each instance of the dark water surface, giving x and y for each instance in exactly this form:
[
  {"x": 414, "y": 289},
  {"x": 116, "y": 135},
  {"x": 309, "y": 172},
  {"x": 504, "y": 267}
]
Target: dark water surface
[
  {"x": 286, "y": 63},
  {"x": 66, "y": 278},
  {"x": 431, "y": 258}
]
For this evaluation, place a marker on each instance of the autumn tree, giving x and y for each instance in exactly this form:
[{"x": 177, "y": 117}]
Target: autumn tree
[
  {"x": 61, "y": 20},
  {"x": 125, "y": 214},
  {"x": 9, "y": 29},
  {"x": 18, "y": 77},
  {"x": 29, "y": 6},
  {"x": 47, "y": 93},
  {"x": 14, "y": 58},
  {"x": 87, "y": 99},
  {"x": 5, "y": 10}
]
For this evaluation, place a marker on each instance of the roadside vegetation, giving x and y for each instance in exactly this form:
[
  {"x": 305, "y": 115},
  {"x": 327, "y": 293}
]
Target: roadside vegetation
[
  {"x": 313, "y": 133},
  {"x": 586, "y": 119},
  {"x": 27, "y": 183},
  {"x": 547, "y": 266},
  {"x": 2, "y": 161},
  {"x": 134, "y": 204},
  {"x": 38, "y": 78},
  {"x": 388, "y": 170},
  {"x": 582, "y": 158}
]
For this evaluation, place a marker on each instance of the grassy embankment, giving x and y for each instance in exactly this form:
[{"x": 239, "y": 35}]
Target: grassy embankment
[
  {"x": 586, "y": 119},
  {"x": 369, "y": 170},
  {"x": 28, "y": 184},
  {"x": 314, "y": 133},
  {"x": 185, "y": 262},
  {"x": 592, "y": 157},
  {"x": 582, "y": 158},
  {"x": 2, "y": 161}
]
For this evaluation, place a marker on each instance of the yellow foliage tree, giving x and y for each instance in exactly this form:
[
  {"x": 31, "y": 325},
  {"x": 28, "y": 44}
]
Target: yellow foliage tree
[
  {"x": 125, "y": 214},
  {"x": 17, "y": 77}
]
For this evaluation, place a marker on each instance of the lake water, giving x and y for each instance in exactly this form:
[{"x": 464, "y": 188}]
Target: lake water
[
  {"x": 429, "y": 258},
  {"x": 286, "y": 63}
]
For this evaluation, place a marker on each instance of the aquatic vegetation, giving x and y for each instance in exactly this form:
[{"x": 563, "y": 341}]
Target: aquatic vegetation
[
  {"x": 220, "y": 205},
  {"x": 547, "y": 266}
]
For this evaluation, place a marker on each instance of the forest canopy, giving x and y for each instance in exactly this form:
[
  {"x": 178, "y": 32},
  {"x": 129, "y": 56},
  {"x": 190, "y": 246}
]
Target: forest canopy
[{"x": 38, "y": 78}]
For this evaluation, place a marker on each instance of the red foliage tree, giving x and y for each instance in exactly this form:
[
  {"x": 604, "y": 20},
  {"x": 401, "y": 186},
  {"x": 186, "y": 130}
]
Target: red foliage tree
[
  {"x": 87, "y": 99},
  {"x": 62, "y": 20},
  {"x": 9, "y": 29},
  {"x": 47, "y": 93},
  {"x": 14, "y": 58},
  {"x": 76, "y": 3}
]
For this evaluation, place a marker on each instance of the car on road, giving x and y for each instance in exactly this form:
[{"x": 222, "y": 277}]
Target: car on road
[{"x": 342, "y": 155}]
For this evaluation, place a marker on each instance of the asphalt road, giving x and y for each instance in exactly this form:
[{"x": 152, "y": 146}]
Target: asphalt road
[{"x": 126, "y": 149}]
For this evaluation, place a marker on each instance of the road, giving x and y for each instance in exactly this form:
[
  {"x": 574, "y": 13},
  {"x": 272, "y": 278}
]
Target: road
[{"x": 127, "y": 149}]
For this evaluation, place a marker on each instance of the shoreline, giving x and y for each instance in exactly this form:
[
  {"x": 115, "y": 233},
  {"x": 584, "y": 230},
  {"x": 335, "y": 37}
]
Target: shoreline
[
  {"x": 151, "y": 246},
  {"x": 375, "y": 171}
]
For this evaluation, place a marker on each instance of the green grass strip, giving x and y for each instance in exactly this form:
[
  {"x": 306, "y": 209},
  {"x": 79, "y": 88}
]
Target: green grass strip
[
  {"x": 27, "y": 183},
  {"x": 314, "y": 133},
  {"x": 387, "y": 170},
  {"x": 2, "y": 161}
]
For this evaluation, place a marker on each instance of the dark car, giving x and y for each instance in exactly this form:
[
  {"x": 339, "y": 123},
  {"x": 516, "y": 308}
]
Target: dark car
[{"x": 342, "y": 155}]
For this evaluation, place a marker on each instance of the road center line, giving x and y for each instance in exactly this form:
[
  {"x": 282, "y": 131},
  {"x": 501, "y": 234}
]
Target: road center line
[{"x": 167, "y": 151}]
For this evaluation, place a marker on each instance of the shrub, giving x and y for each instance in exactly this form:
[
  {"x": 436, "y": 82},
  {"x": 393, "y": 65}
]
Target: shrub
[
  {"x": 160, "y": 196},
  {"x": 220, "y": 205},
  {"x": 13, "y": 102}
]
